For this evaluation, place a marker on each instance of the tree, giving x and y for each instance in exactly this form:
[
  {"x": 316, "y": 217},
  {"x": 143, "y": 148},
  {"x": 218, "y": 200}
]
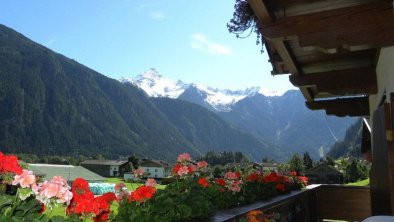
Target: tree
[
  {"x": 134, "y": 160},
  {"x": 295, "y": 163},
  {"x": 307, "y": 161},
  {"x": 352, "y": 173},
  {"x": 330, "y": 161},
  {"x": 98, "y": 157},
  {"x": 363, "y": 169},
  {"x": 283, "y": 167}
]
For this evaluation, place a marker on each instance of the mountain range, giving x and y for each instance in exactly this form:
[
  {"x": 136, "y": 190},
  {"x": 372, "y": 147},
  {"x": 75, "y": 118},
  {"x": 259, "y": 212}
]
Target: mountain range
[
  {"x": 156, "y": 85},
  {"x": 52, "y": 105},
  {"x": 279, "y": 119}
]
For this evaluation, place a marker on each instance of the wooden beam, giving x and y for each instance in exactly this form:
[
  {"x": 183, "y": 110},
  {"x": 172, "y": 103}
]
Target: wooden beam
[
  {"x": 367, "y": 24},
  {"x": 262, "y": 14},
  {"x": 355, "y": 106},
  {"x": 294, "y": 7},
  {"x": 260, "y": 10},
  {"x": 341, "y": 82}
]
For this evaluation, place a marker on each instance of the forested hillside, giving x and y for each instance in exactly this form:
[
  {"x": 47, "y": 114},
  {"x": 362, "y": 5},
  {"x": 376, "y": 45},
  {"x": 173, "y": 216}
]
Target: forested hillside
[
  {"x": 198, "y": 125},
  {"x": 50, "y": 104},
  {"x": 350, "y": 145}
]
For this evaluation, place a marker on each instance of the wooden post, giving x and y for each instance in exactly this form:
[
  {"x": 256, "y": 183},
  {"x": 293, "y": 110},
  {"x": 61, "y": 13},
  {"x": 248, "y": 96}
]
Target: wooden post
[
  {"x": 382, "y": 171},
  {"x": 390, "y": 152}
]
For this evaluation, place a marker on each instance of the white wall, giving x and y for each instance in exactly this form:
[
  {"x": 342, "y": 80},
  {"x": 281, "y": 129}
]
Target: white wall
[
  {"x": 155, "y": 172},
  {"x": 112, "y": 169},
  {"x": 385, "y": 77}
]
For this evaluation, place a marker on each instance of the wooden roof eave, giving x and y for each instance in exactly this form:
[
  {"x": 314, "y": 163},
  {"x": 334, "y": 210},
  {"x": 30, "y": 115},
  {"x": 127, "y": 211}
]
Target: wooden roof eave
[
  {"x": 340, "y": 33},
  {"x": 352, "y": 106},
  {"x": 263, "y": 15},
  {"x": 343, "y": 27}
]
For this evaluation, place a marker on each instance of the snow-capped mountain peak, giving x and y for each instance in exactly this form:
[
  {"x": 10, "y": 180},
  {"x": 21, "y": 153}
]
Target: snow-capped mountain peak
[
  {"x": 269, "y": 93},
  {"x": 156, "y": 85}
]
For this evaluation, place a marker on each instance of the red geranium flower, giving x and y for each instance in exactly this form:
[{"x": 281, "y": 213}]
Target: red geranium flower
[
  {"x": 43, "y": 208},
  {"x": 102, "y": 217},
  {"x": 280, "y": 187},
  {"x": 142, "y": 193},
  {"x": 109, "y": 197},
  {"x": 203, "y": 182},
  {"x": 304, "y": 180},
  {"x": 220, "y": 182},
  {"x": 105, "y": 200},
  {"x": 9, "y": 164},
  {"x": 273, "y": 177},
  {"x": 176, "y": 168},
  {"x": 253, "y": 177},
  {"x": 238, "y": 174},
  {"x": 80, "y": 183},
  {"x": 84, "y": 202}
]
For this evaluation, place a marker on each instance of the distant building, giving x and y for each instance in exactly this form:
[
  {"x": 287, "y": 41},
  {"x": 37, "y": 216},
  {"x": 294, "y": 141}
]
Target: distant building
[
  {"x": 157, "y": 169},
  {"x": 106, "y": 168},
  {"x": 271, "y": 167},
  {"x": 324, "y": 174},
  {"x": 68, "y": 172}
]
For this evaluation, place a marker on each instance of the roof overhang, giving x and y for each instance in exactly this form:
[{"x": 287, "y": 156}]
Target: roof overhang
[{"x": 329, "y": 48}]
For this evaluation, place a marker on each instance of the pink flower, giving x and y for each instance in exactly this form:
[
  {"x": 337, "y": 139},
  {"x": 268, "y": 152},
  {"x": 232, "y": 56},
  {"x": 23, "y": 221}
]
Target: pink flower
[
  {"x": 184, "y": 170},
  {"x": 25, "y": 179},
  {"x": 49, "y": 189},
  {"x": 184, "y": 157},
  {"x": 34, "y": 188},
  {"x": 121, "y": 191},
  {"x": 150, "y": 182},
  {"x": 235, "y": 186},
  {"x": 231, "y": 175},
  {"x": 59, "y": 180},
  {"x": 64, "y": 195},
  {"x": 120, "y": 187},
  {"x": 138, "y": 172},
  {"x": 55, "y": 190},
  {"x": 202, "y": 164},
  {"x": 192, "y": 168}
]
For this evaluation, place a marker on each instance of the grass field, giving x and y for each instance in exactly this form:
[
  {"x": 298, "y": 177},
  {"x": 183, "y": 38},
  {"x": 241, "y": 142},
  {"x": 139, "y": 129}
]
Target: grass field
[
  {"x": 130, "y": 186},
  {"x": 360, "y": 183}
]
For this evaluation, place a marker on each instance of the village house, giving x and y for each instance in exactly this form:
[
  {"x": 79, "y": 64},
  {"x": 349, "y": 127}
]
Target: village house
[
  {"x": 324, "y": 174},
  {"x": 106, "y": 168},
  {"x": 269, "y": 167},
  {"x": 157, "y": 169}
]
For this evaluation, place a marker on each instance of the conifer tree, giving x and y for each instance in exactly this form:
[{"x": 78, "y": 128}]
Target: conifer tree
[{"x": 307, "y": 161}]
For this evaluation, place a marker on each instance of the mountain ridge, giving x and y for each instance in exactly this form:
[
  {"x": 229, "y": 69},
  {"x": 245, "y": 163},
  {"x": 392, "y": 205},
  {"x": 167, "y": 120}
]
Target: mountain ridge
[
  {"x": 50, "y": 104},
  {"x": 156, "y": 85},
  {"x": 282, "y": 120}
]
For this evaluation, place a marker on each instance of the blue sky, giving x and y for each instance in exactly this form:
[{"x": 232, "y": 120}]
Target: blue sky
[{"x": 181, "y": 39}]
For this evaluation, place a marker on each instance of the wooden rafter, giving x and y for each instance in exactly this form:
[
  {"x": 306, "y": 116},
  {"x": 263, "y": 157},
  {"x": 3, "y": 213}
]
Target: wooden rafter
[
  {"x": 354, "y": 106},
  {"x": 262, "y": 14},
  {"x": 367, "y": 24},
  {"x": 340, "y": 82}
]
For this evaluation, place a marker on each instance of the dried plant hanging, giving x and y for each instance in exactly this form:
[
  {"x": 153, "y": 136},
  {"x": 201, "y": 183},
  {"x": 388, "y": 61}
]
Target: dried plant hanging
[{"x": 244, "y": 20}]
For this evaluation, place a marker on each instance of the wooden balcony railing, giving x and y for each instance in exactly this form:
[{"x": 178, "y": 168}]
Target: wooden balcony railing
[{"x": 315, "y": 203}]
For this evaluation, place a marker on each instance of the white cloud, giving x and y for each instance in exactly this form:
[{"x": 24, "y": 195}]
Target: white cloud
[
  {"x": 156, "y": 15},
  {"x": 203, "y": 44}
]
